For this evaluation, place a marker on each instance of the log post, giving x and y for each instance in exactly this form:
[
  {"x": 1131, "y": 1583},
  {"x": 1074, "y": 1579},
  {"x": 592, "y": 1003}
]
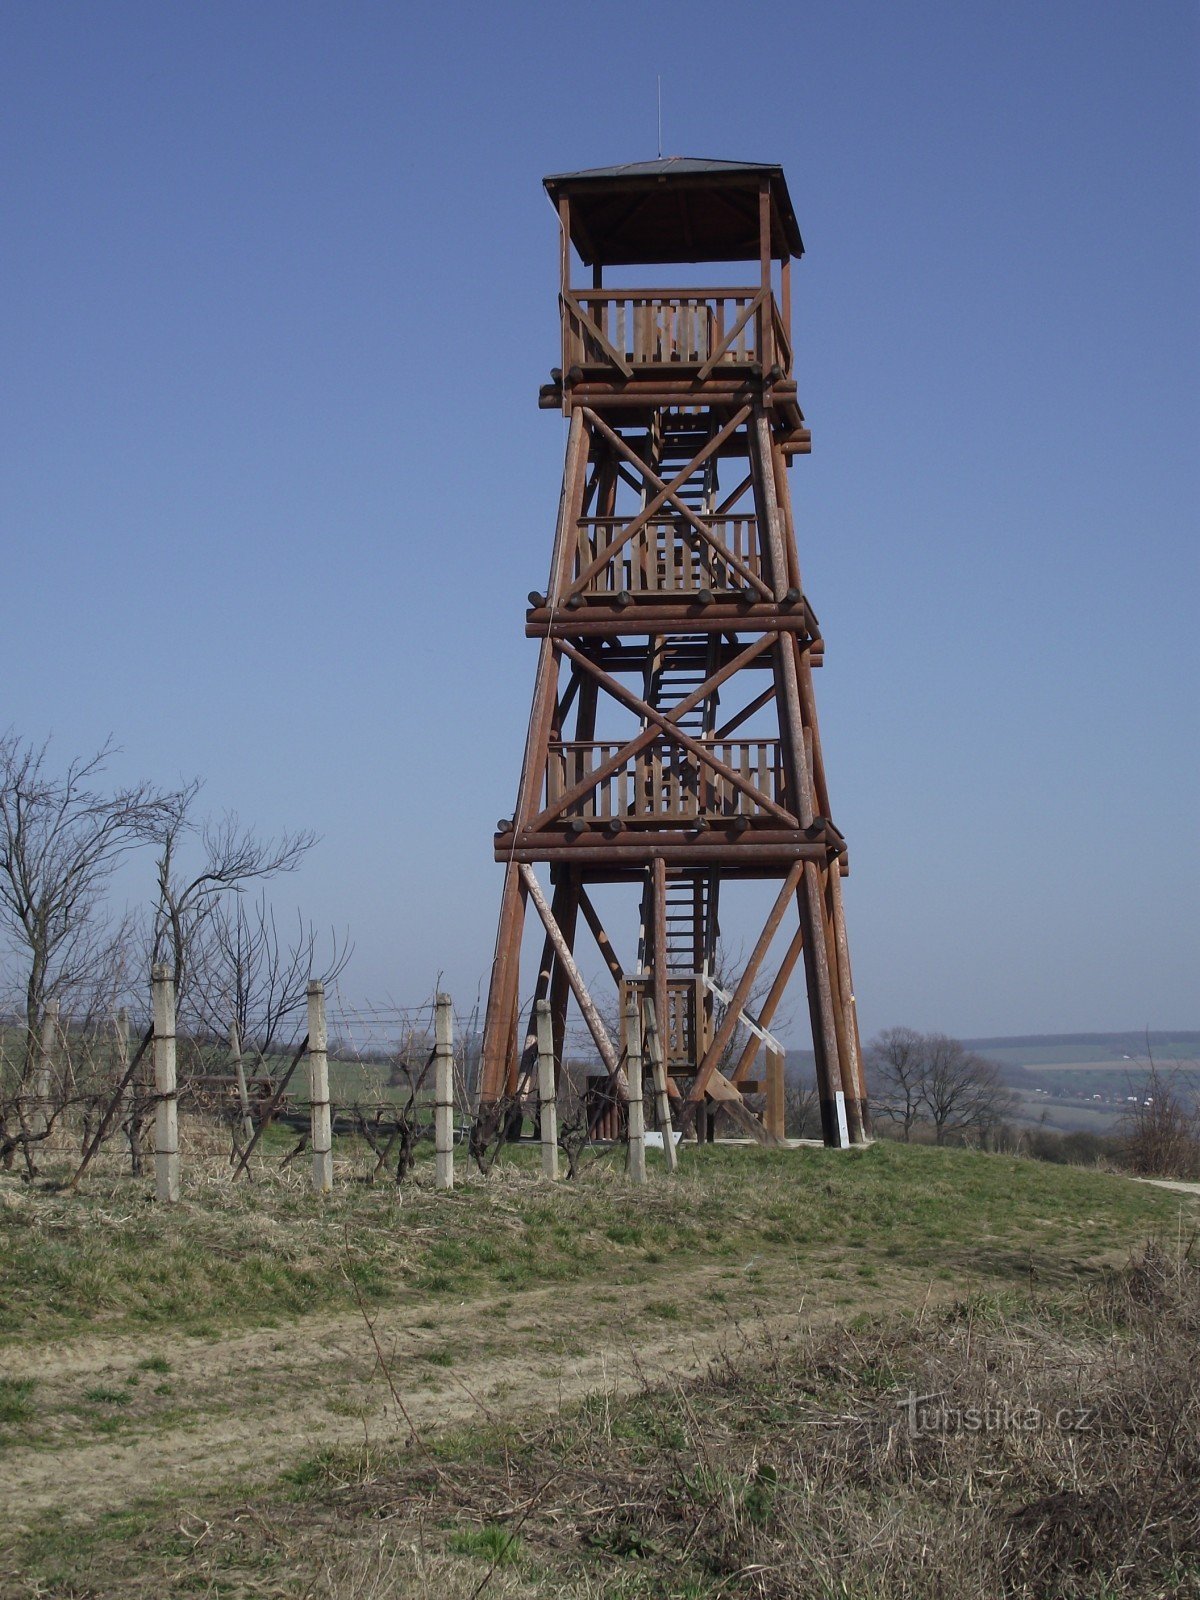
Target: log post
[
  {"x": 166, "y": 1099},
  {"x": 40, "y": 1120},
  {"x": 239, "y": 1070},
  {"x": 658, "y": 1073},
  {"x": 636, "y": 1163},
  {"x": 443, "y": 1091},
  {"x": 547, "y": 1090},
  {"x": 775, "y": 1118},
  {"x": 318, "y": 1090}
]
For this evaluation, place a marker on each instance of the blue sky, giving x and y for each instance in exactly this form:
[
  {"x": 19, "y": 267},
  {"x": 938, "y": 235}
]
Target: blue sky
[{"x": 279, "y": 290}]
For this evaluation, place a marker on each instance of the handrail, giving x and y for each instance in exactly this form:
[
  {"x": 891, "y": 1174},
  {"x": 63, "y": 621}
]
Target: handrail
[
  {"x": 665, "y": 780},
  {"x": 666, "y": 557},
  {"x": 706, "y": 328}
]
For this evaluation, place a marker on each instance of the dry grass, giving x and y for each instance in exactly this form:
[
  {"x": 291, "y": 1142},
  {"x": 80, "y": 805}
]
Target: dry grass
[{"x": 789, "y": 1472}]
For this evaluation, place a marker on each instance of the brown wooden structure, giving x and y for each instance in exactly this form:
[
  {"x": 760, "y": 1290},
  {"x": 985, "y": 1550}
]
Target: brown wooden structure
[{"x": 673, "y": 744}]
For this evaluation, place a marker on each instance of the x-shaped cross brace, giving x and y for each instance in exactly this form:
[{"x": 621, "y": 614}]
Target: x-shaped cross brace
[
  {"x": 661, "y": 723},
  {"x": 668, "y": 493}
]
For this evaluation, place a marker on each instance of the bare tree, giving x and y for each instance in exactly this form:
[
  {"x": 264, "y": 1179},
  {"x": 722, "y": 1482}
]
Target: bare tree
[
  {"x": 230, "y": 857},
  {"x": 801, "y": 1110},
  {"x": 961, "y": 1090},
  {"x": 257, "y": 978},
  {"x": 1161, "y": 1129},
  {"x": 62, "y": 837},
  {"x": 897, "y": 1063}
]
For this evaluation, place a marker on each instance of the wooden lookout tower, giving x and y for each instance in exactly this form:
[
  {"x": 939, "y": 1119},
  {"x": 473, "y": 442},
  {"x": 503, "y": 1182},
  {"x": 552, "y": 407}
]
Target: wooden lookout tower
[{"x": 673, "y": 752}]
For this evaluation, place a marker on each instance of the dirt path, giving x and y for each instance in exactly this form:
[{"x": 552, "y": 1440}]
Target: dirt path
[
  {"x": 1177, "y": 1184},
  {"x": 119, "y": 1418}
]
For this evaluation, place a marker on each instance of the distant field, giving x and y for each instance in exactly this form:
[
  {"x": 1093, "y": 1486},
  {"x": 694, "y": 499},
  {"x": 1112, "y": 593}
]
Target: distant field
[{"x": 1112, "y": 1050}]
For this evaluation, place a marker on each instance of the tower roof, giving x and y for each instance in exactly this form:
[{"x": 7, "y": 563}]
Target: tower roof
[{"x": 679, "y": 208}]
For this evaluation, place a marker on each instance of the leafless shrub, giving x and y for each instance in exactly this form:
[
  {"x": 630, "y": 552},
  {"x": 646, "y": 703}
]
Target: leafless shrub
[{"x": 1161, "y": 1132}]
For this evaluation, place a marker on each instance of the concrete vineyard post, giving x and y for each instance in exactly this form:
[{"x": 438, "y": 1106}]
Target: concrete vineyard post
[
  {"x": 658, "y": 1073},
  {"x": 547, "y": 1091},
  {"x": 166, "y": 1099},
  {"x": 637, "y": 1114},
  {"x": 443, "y": 1091},
  {"x": 318, "y": 1090}
]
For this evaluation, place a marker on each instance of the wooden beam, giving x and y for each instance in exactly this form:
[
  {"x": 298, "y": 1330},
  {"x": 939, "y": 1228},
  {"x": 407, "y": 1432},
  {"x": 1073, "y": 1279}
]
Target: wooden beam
[
  {"x": 699, "y": 750},
  {"x": 752, "y": 306},
  {"x": 658, "y": 946},
  {"x": 575, "y": 978},
  {"x": 603, "y": 943},
  {"x": 665, "y": 491},
  {"x": 741, "y": 994},
  {"x": 770, "y": 1005},
  {"x": 647, "y": 735}
]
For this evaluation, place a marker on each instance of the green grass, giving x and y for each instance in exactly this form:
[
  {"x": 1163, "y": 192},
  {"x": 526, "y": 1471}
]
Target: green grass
[
  {"x": 787, "y": 1457},
  {"x": 240, "y": 1255},
  {"x": 491, "y": 1543},
  {"x": 16, "y": 1400},
  {"x": 101, "y": 1396}
]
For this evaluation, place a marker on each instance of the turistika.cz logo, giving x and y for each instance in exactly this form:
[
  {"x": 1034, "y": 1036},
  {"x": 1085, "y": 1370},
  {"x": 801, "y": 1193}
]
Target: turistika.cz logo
[{"x": 931, "y": 1415}]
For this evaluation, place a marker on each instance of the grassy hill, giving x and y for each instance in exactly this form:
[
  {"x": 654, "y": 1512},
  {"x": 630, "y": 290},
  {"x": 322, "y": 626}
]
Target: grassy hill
[{"x": 584, "y": 1390}]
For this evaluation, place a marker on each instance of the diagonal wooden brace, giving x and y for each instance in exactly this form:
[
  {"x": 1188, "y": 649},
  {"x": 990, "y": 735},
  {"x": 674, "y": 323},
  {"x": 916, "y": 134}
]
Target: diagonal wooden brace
[
  {"x": 610, "y": 351},
  {"x": 648, "y": 735},
  {"x": 665, "y": 492},
  {"x": 701, "y": 751},
  {"x": 575, "y": 978},
  {"x": 741, "y": 994},
  {"x": 749, "y": 311}
]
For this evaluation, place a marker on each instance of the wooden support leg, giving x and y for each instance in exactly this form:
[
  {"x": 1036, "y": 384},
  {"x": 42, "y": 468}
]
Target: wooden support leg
[
  {"x": 741, "y": 993},
  {"x": 820, "y": 1009},
  {"x": 560, "y": 988},
  {"x": 575, "y": 978},
  {"x": 775, "y": 1114},
  {"x": 658, "y": 947},
  {"x": 847, "y": 990},
  {"x": 849, "y": 1076},
  {"x": 501, "y": 1003},
  {"x": 766, "y": 1012}
]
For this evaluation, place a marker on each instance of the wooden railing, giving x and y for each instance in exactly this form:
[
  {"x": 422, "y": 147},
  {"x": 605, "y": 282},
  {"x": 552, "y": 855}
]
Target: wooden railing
[
  {"x": 630, "y": 328},
  {"x": 665, "y": 781},
  {"x": 667, "y": 556}
]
